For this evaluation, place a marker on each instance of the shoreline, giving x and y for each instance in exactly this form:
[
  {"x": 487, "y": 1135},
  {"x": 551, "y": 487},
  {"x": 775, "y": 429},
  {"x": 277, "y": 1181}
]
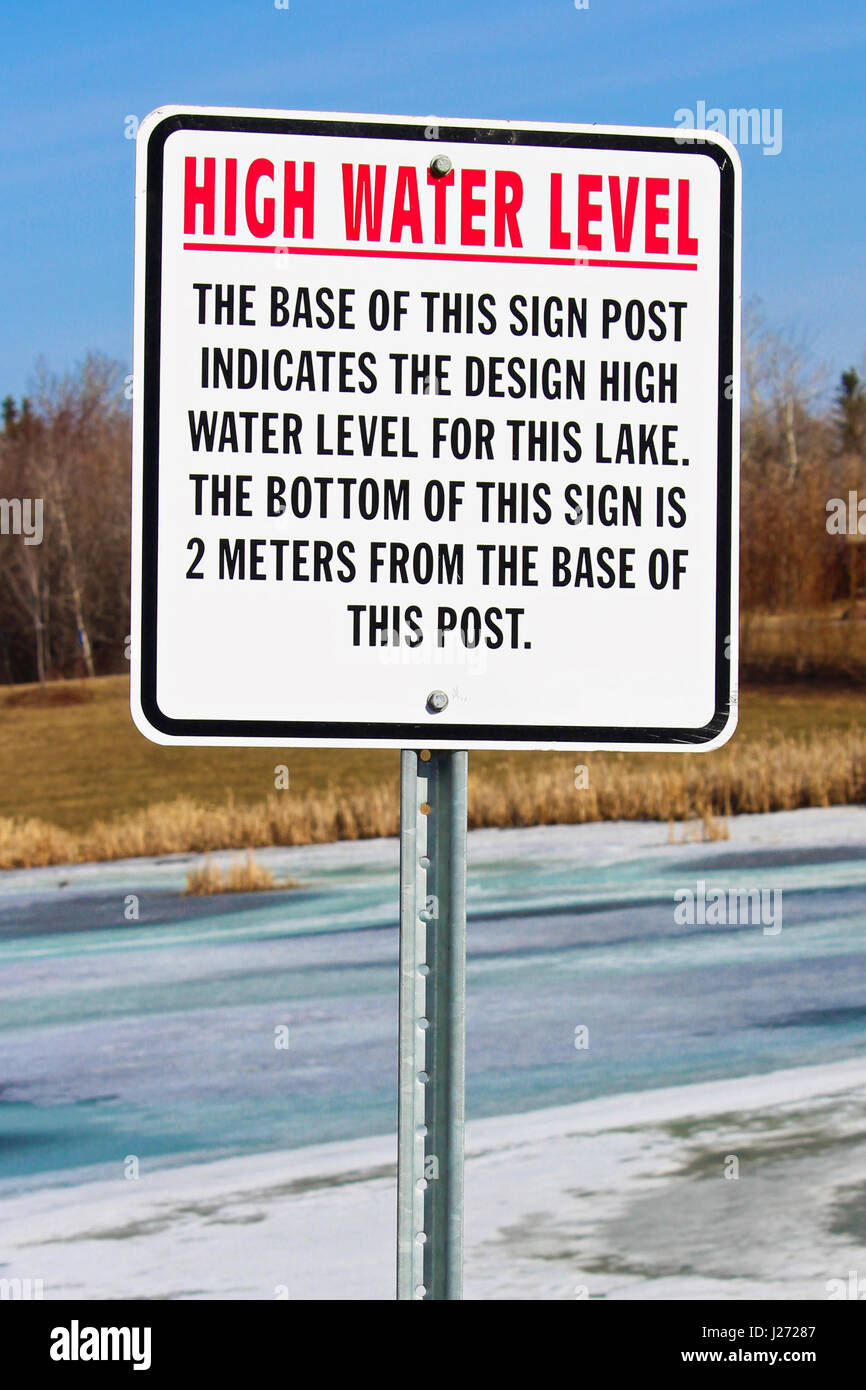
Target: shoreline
[
  {"x": 761, "y": 775},
  {"x": 584, "y": 841}
]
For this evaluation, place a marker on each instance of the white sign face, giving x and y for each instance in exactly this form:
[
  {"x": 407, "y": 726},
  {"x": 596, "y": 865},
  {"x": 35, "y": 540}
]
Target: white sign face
[{"x": 436, "y": 433}]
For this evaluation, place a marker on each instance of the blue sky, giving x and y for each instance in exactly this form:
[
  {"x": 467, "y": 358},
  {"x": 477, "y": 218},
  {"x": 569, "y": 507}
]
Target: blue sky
[{"x": 75, "y": 71}]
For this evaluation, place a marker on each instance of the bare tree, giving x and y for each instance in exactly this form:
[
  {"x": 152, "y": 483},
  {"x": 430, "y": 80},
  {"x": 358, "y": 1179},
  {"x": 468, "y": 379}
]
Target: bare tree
[{"x": 70, "y": 449}]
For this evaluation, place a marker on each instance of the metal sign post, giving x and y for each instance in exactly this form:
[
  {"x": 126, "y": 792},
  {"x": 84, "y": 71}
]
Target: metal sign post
[
  {"x": 432, "y": 1024},
  {"x": 410, "y": 397}
]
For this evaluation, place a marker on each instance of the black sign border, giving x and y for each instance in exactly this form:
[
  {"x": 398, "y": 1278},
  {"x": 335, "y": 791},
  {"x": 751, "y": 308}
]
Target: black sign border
[{"x": 410, "y": 735}]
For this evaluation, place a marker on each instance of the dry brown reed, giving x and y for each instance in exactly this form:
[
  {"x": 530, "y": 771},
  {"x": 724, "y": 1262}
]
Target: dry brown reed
[
  {"x": 241, "y": 876},
  {"x": 822, "y": 770}
]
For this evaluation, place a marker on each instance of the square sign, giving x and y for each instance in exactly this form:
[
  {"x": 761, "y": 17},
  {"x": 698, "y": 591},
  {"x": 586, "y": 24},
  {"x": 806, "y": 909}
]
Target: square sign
[{"x": 435, "y": 433}]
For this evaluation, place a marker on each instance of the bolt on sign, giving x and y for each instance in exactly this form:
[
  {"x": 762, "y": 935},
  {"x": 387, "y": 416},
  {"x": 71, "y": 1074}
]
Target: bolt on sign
[{"x": 436, "y": 433}]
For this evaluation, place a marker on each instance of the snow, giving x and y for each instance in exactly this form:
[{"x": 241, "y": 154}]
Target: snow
[{"x": 622, "y": 1197}]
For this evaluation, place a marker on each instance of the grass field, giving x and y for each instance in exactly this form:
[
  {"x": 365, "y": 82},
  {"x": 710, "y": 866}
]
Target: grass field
[
  {"x": 78, "y": 782},
  {"x": 73, "y": 764}
]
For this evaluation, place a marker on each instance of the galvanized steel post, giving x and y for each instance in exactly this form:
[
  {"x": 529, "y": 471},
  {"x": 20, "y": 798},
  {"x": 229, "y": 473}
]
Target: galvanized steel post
[{"x": 433, "y": 787}]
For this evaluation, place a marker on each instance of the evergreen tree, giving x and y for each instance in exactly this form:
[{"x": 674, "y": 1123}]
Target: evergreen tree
[{"x": 851, "y": 412}]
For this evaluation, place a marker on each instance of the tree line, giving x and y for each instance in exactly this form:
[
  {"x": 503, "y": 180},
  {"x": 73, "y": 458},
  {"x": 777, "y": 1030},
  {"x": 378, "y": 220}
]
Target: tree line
[
  {"x": 801, "y": 447},
  {"x": 64, "y": 598}
]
